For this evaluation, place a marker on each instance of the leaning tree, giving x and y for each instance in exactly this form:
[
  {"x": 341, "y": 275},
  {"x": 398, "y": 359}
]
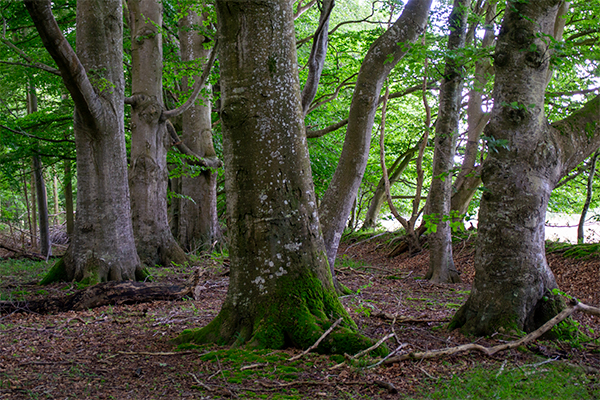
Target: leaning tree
[
  {"x": 102, "y": 246},
  {"x": 513, "y": 284}
]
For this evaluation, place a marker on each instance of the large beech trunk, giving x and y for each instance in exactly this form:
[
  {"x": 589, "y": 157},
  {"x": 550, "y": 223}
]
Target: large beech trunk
[
  {"x": 281, "y": 291},
  {"x": 441, "y": 263},
  {"x": 197, "y": 222},
  {"x": 383, "y": 55},
  {"x": 512, "y": 282},
  {"x": 148, "y": 174},
  {"x": 102, "y": 246}
]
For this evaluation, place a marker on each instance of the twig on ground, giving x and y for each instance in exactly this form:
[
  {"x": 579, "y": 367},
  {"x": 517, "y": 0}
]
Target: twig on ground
[
  {"x": 365, "y": 351},
  {"x": 386, "y": 385},
  {"x": 316, "y": 344},
  {"x": 146, "y": 353},
  {"x": 501, "y": 369},
  {"x": 507, "y": 346},
  {"x": 252, "y": 366}
]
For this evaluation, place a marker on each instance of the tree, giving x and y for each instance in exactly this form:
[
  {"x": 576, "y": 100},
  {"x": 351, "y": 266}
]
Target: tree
[
  {"x": 150, "y": 140},
  {"x": 513, "y": 284},
  {"x": 197, "y": 225},
  {"x": 441, "y": 263},
  {"x": 102, "y": 246},
  {"x": 281, "y": 291},
  {"x": 382, "y": 56}
]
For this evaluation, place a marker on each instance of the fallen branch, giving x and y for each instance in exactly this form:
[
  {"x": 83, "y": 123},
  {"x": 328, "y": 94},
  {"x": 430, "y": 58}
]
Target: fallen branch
[
  {"x": 397, "y": 318},
  {"x": 316, "y": 344},
  {"x": 365, "y": 351},
  {"x": 506, "y": 346}
]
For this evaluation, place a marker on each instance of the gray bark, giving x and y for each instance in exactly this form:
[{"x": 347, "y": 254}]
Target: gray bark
[
  {"x": 512, "y": 279},
  {"x": 148, "y": 173},
  {"x": 69, "y": 197},
  {"x": 339, "y": 197},
  {"x": 197, "y": 225},
  {"x": 42, "y": 203},
  {"x": 588, "y": 199},
  {"x": 441, "y": 263},
  {"x": 379, "y": 195},
  {"x": 280, "y": 287},
  {"x": 102, "y": 246}
]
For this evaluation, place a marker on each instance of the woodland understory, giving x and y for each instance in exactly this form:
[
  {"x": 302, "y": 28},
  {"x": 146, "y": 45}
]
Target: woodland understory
[{"x": 125, "y": 351}]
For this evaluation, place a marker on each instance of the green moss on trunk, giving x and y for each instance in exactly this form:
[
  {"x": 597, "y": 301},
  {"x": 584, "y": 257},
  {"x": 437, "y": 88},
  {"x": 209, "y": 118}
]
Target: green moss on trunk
[
  {"x": 300, "y": 312},
  {"x": 58, "y": 273}
]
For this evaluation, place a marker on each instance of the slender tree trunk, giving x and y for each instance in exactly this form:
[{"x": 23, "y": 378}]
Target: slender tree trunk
[
  {"x": 281, "y": 292},
  {"x": 339, "y": 197},
  {"x": 55, "y": 195},
  {"x": 42, "y": 202},
  {"x": 25, "y": 191},
  {"x": 588, "y": 198},
  {"x": 102, "y": 246},
  {"x": 379, "y": 196},
  {"x": 197, "y": 222},
  {"x": 148, "y": 173},
  {"x": 441, "y": 263},
  {"x": 513, "y": 284},
  {"x": 34, "y": 226},
  {"x": 68, "y": 185}
]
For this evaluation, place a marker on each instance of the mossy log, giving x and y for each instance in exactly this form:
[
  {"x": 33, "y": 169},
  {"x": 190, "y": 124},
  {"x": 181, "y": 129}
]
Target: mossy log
[{"x": 102, "y": 294}]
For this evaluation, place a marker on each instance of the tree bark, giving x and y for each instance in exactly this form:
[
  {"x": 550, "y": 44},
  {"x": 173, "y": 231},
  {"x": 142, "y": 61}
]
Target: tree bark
[
  {"x": 512, "y": 282},
  {"x": 281, "y": 292},
  {"x": 197, "y": 221},
  {"x": 383, "y": 55},
  {"x": 69, "y": 197},
  {"x": 441, "y": 263},
  {"x": 102, "y": 246},
  {"x": 148, "y": 173},
  {"x": 42, "y": 203},
  {"x": 588, "y": 199},
  {"x": 378, "y": 197}
]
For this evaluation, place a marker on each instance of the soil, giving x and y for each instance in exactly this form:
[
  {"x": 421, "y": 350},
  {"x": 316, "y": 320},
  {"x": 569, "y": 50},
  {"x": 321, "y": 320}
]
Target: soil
[{"x": 125, "y": 352}]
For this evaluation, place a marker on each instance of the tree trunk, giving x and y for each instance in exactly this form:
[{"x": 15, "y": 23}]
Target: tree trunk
[
  {"x": 34, "y": 227},
  {"x": 42, "y": 203},
  {"x": 148, "y": 173},
  {"x": 102, "y": 246},
  {"x": 512, "y": 282},
  {"x": 379, "y": 196},
  {"x": 339, "y": 197},
  {"x": 281, "y": 292},
  {"x": 197, "y": 222},
  {"x": 588, "y": 199},
  {"x": 441, "y": 263},
  {"x": 69, "y": 197}
]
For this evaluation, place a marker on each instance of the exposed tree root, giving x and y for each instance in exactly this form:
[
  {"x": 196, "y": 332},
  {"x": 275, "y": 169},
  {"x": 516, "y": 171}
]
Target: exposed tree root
[{"x": 573, "y": 306}]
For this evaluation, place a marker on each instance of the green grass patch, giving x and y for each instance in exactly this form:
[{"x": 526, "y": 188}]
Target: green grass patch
[
  {"x": 536, "y": 381},
  {"x": 16, "y": 273}
]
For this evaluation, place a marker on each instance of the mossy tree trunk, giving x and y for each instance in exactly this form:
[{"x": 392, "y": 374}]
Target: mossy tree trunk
[
  {"x": 102, "y": 246},
  {"x": 441, "y": 263},
  {"x": 383, "y": 55},
  {"x": 148, "y": 173},
  {"x": 512, "y": 278},
  {"x": 281, "y": 291}
]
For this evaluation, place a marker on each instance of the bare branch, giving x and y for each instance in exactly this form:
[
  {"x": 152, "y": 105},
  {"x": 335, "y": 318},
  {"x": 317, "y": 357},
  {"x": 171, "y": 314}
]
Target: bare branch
[
  {"x": 211, "y": 162},
  {"x": 331, "y": 128},
  {"x": 32, "y": 64},
  {"x": 197, "y": 87},
  {"x": 302, "y": 9},
  {"x": 330, "y": 97},
  {"x": 29, "y": 135}
]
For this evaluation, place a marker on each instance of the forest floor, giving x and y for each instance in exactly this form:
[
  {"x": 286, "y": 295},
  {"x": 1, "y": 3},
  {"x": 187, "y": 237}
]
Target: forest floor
[{"x": 125, "y": 352}]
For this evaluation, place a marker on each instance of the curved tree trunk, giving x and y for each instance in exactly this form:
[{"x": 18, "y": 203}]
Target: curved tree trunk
[
  {"x": 441, "y": 263},
  {"x": 102, "y": 246},
  {"x": 197, "y": 222},
  {"x": 512, "y": 282},
  {"x": 339, "y": 197},
  {"x": 379, "y": 196},
  {"x": 280, "y": 292},
  {"x": 148, "y": 173},
  {"x": 588, "y": 199}
]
